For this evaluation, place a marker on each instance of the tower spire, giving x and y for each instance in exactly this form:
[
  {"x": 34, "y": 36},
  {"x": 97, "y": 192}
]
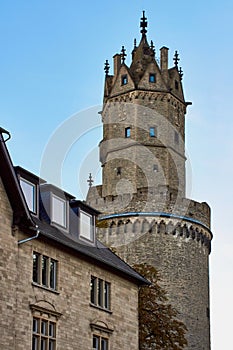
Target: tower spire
[
  {"x": 176, "y": 58},
  {"x": 123, "y": 54},
  {"x": 143, "y": 24},
  {"x": 106, "y": 68},
  {"x": 90, "y": 180}
]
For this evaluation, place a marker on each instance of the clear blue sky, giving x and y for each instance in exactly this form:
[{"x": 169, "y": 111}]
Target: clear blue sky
[{"x": 51, "y": 67}]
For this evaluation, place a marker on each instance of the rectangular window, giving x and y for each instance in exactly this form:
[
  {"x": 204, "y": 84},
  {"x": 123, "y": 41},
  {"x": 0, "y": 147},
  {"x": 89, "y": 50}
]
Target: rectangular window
[
  {"x": 153, "y": 131},
  {"x": 29, "y": 191},
  {"x": 43, "y": 334},
  {"x": 93, "y": 289},
  {"x": 99, "y": 343},
  {"x": 59, "y": 211},
  {"x": 127, "y": 132},
  {"x": 44, "y": 271},
  {"x": 100, "y": 292},
  {"x": 152, "y": 78},
  {"x": 118, "y": 170},
  {"x": 106, "y": 295},
  {"x": 53, "y": 274},
  {"x": 86, "y": 226},
  {"x": 36, "y": 269},
  {"x": 124, "y": 79}
]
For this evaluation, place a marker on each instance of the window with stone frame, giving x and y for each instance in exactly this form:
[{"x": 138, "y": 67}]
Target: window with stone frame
[
  {"x": 44, "y": 271},
  {"x": 100, "y": 293},
  {"x": 44, "y": 326},
  {"x": 44, "y": 332},
  {"x": 100, "y": 343}
]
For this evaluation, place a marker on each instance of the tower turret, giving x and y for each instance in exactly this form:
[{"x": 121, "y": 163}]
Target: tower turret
[
  {"x": 144, "y": 109},
  {"x": 145, "y": 213}
]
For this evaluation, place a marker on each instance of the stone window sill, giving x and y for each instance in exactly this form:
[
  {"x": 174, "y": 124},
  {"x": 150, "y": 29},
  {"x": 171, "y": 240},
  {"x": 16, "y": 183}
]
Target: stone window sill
[
  {"x": 45, "y": 288},
  {"x": 100, "y": 308}
]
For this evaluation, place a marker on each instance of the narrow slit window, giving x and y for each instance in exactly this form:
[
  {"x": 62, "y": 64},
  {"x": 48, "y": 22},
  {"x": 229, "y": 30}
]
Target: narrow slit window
[
  {"x": 155, "y": 168},
  {"x": 153, "y": 131},
  {"x": 127, "y": 132},
  {"x": 124, "y": 79},
  {"x": 36, "y": 268},
  {"x": 118, "y": 171}
]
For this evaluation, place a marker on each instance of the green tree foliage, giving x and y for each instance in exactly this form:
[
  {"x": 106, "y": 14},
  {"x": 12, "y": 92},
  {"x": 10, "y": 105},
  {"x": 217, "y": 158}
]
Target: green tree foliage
[{"x": 159, "y": 327}]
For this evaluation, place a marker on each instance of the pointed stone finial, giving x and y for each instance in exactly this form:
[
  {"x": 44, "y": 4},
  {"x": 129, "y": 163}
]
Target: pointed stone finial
[
  {"x": 152, "y": 47},
  {"x": 106, "y": 68},
  {"x": 135, "y": 44},
  {"x": 181, "y": 73},
  {"x": 90, "y": 180},
  {"x": 123, "y": 54},
  {"x": 143, "y": 24},
  {"x": 176, "y": 58}
]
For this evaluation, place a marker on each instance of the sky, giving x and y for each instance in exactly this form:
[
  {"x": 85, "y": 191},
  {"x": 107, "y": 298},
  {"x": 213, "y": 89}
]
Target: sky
[{"x": 51, "y": 73}]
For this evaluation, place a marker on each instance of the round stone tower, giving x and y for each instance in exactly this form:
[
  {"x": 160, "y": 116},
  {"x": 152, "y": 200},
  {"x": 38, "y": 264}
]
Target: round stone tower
[{"x": 146, "y": 216}]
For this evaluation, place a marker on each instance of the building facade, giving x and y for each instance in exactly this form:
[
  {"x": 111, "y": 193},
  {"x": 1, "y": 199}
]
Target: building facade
[
  {"x": 146, "y": 216},
  {"x": 60, "y": 288}
]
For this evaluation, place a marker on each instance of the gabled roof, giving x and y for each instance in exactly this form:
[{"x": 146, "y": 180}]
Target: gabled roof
[{"x": 98, "y": 254}]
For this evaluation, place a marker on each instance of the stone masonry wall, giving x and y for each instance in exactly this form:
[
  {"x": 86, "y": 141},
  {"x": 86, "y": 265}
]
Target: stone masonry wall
[
  {"x": 72, "y": 300},
  {"x": 8, "y": 275},
  {"x": 179, "y": 251}
]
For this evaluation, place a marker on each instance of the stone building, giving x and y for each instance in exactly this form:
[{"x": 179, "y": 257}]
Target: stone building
[
  {"x": 60, "y": 288},
  {"x": 146, "y": 216}
]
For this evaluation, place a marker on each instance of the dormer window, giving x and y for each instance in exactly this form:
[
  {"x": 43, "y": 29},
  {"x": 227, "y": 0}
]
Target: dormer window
[
  {"x": 59, "y": 211},
  {"x": 124, "y": 79},
  {"x": 86, "y": 226},
  {"x": 152, "y": 78},
  {"x": 30, "y": 193},
  {"x": 176, "y": 85}
]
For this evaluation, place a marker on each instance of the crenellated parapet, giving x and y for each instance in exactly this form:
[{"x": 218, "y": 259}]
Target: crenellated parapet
[
  {"x": 121, "y": 230},
  {"x": 150, "y": 201}
]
